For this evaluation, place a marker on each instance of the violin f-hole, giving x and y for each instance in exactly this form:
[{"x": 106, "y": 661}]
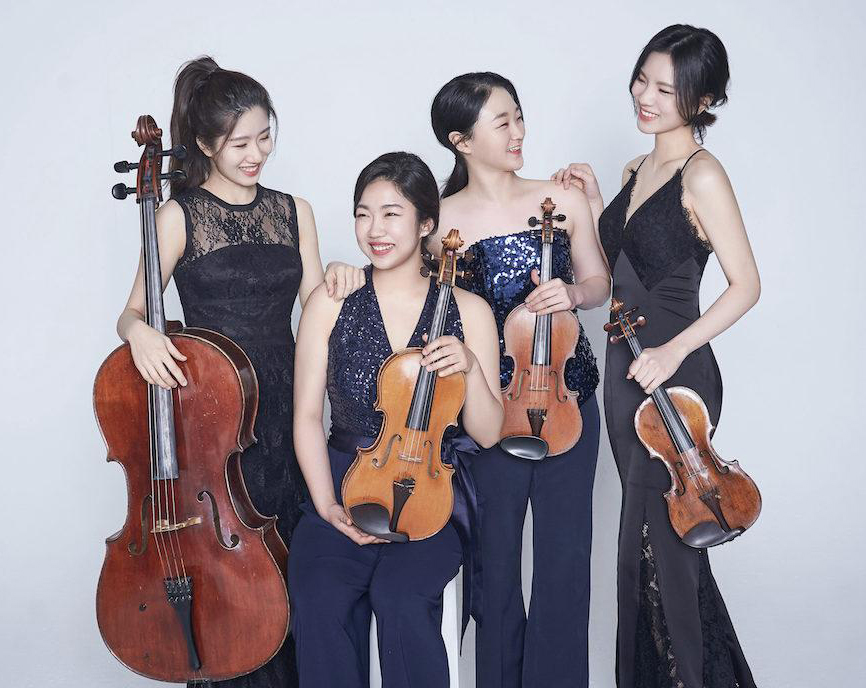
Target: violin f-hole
[
  {"x": 516, "y": 395},
  {"x": 217, "y": 523},
  {"x": 376, "y": 461}
]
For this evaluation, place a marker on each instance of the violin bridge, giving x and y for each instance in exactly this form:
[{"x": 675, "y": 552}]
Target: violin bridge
[{"x": 163, "y": 525}]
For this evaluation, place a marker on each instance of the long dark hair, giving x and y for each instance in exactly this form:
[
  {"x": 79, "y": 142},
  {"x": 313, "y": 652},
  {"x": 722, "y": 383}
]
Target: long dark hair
[
  {"x": 208, "y": 101},
  {"x": 700, "y": 70},
  {"x": 456, "y": 108},
  {"x": 413, "y": 180}
]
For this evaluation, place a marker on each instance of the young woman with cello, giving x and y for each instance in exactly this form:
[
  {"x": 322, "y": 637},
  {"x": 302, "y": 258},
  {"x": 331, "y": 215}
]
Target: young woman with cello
[
  {"x": 240, "y": 254},
  {"x": 479, "y": 118},
  {"x": 675, "y": 208},
  {"x": 339, "y": 574}
]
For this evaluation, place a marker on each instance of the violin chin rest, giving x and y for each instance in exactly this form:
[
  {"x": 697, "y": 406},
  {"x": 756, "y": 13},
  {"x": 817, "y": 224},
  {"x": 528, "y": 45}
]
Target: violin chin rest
[
  {"x": 709, "y": 534},
  {"x": 375, "y": 520},
  {"x": 527, "y": 447}
]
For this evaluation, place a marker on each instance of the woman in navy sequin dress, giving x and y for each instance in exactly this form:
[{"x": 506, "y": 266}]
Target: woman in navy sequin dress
[
  {"x": 240, "y": 255},
  {"x": 675, "y": 208},
  {"x": 338, "y": 575},
  {"x": 478, "y": 117}
]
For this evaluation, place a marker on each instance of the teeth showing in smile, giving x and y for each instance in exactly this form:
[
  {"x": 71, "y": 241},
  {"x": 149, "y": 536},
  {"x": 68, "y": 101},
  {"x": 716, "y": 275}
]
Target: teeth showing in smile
[
  {"x": 381, "y": 247},
  {"x": 514, "y": 149},
  {"x": 648, "y": 115}
]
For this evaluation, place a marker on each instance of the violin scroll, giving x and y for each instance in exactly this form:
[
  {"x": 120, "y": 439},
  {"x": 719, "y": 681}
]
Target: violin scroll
[
  {"x": 623, "y": 323},
  {"x": 446, "y": 264}
]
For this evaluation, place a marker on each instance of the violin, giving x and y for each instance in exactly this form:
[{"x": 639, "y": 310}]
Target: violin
[
  {"x": 542, "y": 417},
  {"x": 711, "y": 501},
  {"x": 399, "y": 489},
  {"x": 193, "y": 586}
]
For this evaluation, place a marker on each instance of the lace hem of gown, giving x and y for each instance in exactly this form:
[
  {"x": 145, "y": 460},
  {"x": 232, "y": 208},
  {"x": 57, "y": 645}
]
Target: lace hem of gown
[{"x": 655, "y": 662}]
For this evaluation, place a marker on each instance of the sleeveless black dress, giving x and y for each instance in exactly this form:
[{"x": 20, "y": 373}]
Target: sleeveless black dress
[
  {"x": 673, "y": 628},
  {"x": 239, "y": 275}
]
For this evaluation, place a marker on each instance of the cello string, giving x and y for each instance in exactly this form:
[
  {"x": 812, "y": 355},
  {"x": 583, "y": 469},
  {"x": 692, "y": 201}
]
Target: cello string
[{"x": 153, "y": 487}]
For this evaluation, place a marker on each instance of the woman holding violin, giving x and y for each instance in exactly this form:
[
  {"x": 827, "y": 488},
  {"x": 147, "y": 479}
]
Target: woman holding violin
[
  {"x": 240, "y": 254},
  {"x": 338, "y": 573},
  {"x": 676, "y": 207},
  {"x": 479, "y": 118}
]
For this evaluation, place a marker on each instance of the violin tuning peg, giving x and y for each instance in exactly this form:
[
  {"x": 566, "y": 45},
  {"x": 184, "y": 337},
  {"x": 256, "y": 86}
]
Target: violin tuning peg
[
  {"x": 641, "y": 321},
  {"x": 121, "y": 191},
  {"x": 533, "y": 221},
  {"x": 466, "y": 274},
  {"x": 124, "y": 166},
  {"x": 425, "y": 271},
  {"x": 615, "y": 338},
  {"x": 559, "y": 218},
  {"x": 609, "y": 326},
  {"x": 468, "y": 256}
]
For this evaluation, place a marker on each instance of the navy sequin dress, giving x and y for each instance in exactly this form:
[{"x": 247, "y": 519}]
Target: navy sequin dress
[
  {"x": 239, "y": 275},
  {"x": 550, "y": 646},
  {"x": 336, "y": 584},
  {"x": 673, "y": 628}
]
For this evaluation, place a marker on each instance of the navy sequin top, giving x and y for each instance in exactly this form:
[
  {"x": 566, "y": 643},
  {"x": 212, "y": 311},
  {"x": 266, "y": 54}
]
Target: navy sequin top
[
  {"x": 499, "y": 272},
  {"x": 358, "y": 346}
]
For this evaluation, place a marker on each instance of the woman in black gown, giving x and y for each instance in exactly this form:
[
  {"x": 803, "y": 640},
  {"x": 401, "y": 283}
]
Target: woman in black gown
[
  {"x": 675, "y": 208},
  {"x": 240, "y": 254}
]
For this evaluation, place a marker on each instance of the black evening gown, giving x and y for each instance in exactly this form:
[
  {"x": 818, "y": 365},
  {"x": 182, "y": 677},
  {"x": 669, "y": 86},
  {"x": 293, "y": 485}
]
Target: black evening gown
[
  {"x": 673, "y": 629},
  {"x": 239, "y": 275}
]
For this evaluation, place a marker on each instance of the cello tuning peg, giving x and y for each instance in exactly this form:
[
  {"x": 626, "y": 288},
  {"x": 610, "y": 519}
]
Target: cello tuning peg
[
  {"x": 121, "y": 191},
  {"x": 124, "y": 166},
  {"x": 179, "y": 152},
  {"x": 174, "y": 175}
]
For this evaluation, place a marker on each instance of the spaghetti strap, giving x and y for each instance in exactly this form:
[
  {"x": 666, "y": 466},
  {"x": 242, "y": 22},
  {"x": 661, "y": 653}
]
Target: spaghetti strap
[
  {"x": 682, "y": 169},
  {"x": 641, "y": 164}
]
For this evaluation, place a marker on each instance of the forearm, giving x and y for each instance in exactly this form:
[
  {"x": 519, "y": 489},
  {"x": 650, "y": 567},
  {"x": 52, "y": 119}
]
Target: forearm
[
  {"x": 593, "y": 292},
  {"x": 311, "y": 450},
  {"x": 734, "y": 302},
  {"x": 127, "y": 320},
  {"x": 482, "y": 413}
]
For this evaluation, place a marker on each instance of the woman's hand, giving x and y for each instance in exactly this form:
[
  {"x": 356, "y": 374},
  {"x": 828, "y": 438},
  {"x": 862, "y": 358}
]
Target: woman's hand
[
  {"x": 448, "y": 355},
  {"x": 655, "y": 366},
  {"x": 580, "y": 174},
  {"x": 337, "y": 517},
  {"x": 342, "y": 279},
  {"x": 554, "y": 295},
  {"x": 154, "y": 355}
]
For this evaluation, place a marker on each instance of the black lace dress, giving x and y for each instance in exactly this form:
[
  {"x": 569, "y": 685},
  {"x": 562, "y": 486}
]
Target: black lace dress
[
  {"x": 673, "y": 628},
  {"x": 239, "y": 275}
]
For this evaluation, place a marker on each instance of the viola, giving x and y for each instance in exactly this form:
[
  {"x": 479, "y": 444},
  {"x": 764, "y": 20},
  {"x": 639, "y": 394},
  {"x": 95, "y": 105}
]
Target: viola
[
  {"x": 711, "y": 500},
  {"x": 193, "y": 586},
  {"x": 542, "y": 416},
  {"x": 399, "y": 489}
]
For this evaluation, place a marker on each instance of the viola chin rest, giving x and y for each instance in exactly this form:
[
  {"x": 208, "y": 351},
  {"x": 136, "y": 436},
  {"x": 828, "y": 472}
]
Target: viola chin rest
[
  {"x": 375, "y": 520},
  {"x": 709, "y": 534},
  {"x": 525, "y": 447}
]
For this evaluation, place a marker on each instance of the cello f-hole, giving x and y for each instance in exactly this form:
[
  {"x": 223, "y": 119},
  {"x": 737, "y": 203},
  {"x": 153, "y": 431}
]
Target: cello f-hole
[
  {"x": 217, "y": 524},
  {"x": 137, "y": 550}
]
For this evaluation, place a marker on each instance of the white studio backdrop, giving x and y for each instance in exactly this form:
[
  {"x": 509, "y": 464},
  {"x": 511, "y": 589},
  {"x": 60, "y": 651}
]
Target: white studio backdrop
[{"x": 351, "y": 81}]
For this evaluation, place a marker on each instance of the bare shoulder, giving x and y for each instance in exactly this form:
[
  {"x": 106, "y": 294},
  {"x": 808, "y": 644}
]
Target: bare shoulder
[
  {"x": 704, "y": 175},
  {"x": 321, "y": 308},
  {"x": 472, "y": 307},
  {"x": 171, "y": 225},
  {"x": 631, "y": 166}
]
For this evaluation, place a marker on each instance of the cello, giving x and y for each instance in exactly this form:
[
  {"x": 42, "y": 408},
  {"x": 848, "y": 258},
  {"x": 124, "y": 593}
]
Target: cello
[
  {"x": 711, "y": 501},
  {"x": 398, "y": 488},
  {"x": 542, "y": 417},
  {"x": 192, "y": 587}
]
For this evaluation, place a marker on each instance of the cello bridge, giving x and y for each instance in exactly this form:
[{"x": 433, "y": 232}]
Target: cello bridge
[{"x": 163, "y": 525}]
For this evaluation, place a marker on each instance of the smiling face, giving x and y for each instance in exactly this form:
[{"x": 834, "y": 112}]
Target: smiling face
[
  {"x": 240, "y": 156},
  {"x": 497, "y": 137},
  {"x": 655, "y": 99},
  {"x": 386, "y": 225}
]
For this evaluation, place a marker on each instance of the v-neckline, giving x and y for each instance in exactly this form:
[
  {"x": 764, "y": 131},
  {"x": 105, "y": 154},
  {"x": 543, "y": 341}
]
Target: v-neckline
[
  {"x": 382, "y": 318},
  {"x": 632, "y": 183}
]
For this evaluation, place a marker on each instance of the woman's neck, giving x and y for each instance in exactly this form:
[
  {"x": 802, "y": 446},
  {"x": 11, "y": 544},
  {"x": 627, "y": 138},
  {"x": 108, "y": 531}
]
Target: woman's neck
[
  {"x": 401, "y": 278},
  {"x": 675, "y": 144},
  {"x": 491, "y": 184},
  {"x": 229, "y": 191}
]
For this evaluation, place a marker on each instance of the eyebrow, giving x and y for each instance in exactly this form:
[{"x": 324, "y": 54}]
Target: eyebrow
[
  {"x": 386, "y": 205},
  {"x": 244, "y": 138},
  {"x": 660, "y": 83}
]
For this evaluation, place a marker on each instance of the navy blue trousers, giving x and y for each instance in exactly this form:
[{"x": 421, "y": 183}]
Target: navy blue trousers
[
  {"x": 549, "y": 648},
  {"x": 335, "y": 585}
]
